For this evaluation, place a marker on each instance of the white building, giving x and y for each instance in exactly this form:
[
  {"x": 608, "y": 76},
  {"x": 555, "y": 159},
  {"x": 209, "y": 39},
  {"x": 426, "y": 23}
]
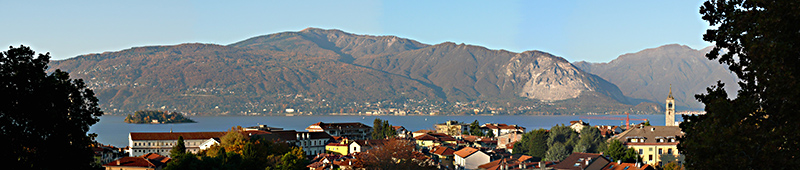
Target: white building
[
  {"x": 501, "y": 129},
  {"x": 313, "y": 143},
  {"x": 161, "y": 143},
  {"x": 470, "y": 158}
]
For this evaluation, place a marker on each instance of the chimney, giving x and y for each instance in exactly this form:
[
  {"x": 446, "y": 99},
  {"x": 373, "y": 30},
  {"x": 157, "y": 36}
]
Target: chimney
[
  {"x": 118, "y": 163},
  {"x": 298, "y": 136},
  {"x": 619, "y": 162},
  {"x": 638, "y": 164},
  {"x": 541, "y": 165}
]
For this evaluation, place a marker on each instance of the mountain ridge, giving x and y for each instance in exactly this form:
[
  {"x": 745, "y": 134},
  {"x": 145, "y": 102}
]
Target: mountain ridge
[{"x": 329, "y": 70}]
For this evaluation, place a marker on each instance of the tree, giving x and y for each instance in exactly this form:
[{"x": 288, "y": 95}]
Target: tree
[
  {"x": 381, "y": 129},
  {"x": 179, "y": 148},
  {"x": 234, "y": 140},
  {"x": 647, "y": 123},
  {"x": 475, "y": 129},
  {"x": 43, "y": 116},
  {"x": 557, "y": 152},
  {"x": 591, "y": 141},
  {"x": 564, "y": 135},
  {"x": 758, "y": 41},
  {"x": 617, "y": 151},
  {"x": 533, "y": 143},
  {"x": 394, "y": 154}
]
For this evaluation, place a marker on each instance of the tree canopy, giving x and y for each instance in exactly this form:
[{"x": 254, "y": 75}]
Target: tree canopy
[
  {"x": 617, "y": 151},
  {"x": 43, "y": 116},
  {"x": 381, "y": 129},
  {"x": 758, "y": 41},
  {"x": 533, "y": 143},
  {"x": 179, "y": 148}
]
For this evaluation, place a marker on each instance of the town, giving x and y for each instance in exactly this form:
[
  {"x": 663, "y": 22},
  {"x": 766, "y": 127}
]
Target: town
[{"x": 449, "y": 145}]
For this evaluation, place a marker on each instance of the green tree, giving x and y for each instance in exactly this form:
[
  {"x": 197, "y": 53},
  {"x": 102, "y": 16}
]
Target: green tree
[
  {"x": 43, "y": 116},
  {"x": 564, "y": 135},
  {"x": 377, "y": 129},
  {"x": 617, "y": 151},
  {"x": 758, "y": 41},
  {"x": 591, "y": 141},
  {"x": 557, "y": 152},
  {"x": 647, "y": 123},
  {"x": 533, "y": 143},
  {"x": 475, "y": 129},
  {"x": 179, "y": 148}
]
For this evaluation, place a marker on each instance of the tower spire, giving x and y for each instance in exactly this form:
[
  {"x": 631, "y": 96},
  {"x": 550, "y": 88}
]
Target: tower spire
[{"x": 670, "y": 92}]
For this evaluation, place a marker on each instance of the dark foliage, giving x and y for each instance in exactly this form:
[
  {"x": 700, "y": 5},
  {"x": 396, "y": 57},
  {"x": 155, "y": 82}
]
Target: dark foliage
[
  {"x": 758, "y": 40},
  {"x": 44, "y": 117},
  {"x": 533, "y": 143},
  {"x": 148, "y": 116},
  {"x": 381, "y": 129}
]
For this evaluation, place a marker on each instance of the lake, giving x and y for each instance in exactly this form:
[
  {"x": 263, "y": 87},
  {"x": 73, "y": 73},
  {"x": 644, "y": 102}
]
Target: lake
[{"x": 112, "y": 130}]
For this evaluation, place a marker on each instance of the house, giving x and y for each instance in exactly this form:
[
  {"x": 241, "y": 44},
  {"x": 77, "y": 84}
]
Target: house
[
  {"x": 208, "y": 143},
  {"x": 577, "y": 125},
  {"x": 500, "y": 129},
  {"x": 582, "y": 161},
  {"x": 470, "y": 158},
  {"x": 509, "y": 163},
  {"x": 142, "y": 143},
  {"x": 452, "y": 128},
  {"x": 421, "y": 132},
  {"x": 434, "y": 139},
  {"x": 652, "y": 141},
  {"x": 149, "y": 161},
  {"x": 608, "y": 131},
  {"x": 627, "y": 166},
  {"x": 402, "y": 132},
  {"x": 444, "y": 156},
  {"x": 504, "y": 140},
  {"x": 355, "y": 131},
  {"x": 339, "y": 148}
]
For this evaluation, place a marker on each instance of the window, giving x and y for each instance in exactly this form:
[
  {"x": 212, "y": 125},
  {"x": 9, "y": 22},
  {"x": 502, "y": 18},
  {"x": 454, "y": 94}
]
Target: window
[
  {"x": 669, "y": 151},
  {"x": 650, "y": 157},
  {"x": 641, "y": 151},
  {"x": 650, "y": 149},
  {"x": 659, "y": 151},
  {"x": 577, "y": 164}
]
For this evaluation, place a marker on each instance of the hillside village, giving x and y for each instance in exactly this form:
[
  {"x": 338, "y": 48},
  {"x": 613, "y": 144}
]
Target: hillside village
[{"x": 448, "y": 145}]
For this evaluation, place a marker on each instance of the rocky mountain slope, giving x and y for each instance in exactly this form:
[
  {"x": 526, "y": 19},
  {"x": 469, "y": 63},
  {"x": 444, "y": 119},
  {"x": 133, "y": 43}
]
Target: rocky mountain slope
[
  {"x": 319, "y": 70},
  {"x": 647, "y": 74}
]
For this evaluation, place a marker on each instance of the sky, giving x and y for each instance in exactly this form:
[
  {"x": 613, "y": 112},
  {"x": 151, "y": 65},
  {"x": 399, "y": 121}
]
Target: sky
[{"x": 594, "y": 31}]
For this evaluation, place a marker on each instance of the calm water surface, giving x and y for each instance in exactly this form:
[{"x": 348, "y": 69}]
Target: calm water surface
[{"x": 112, "y": 130}]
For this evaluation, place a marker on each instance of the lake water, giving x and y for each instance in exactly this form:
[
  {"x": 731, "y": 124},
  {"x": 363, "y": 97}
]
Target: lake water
[{"x": 112, "y": 130}]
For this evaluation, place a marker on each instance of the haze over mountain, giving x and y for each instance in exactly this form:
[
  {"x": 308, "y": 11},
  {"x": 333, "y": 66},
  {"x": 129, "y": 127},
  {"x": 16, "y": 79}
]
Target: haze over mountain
[
  {"x": 331, "y": 69},
  {"x": 647, "y": 74}
]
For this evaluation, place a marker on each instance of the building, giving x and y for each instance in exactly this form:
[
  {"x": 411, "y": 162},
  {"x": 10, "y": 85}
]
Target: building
[
  {"x": 142, "y": 143},
  {"x": 434, "y": 139},
  {"x": 149, "y": 161},
  {"x": 607, "y": 131},
  {"x": 578, "y": 125},
  {"x": 627, "y": 166},
  {"x": 470, "y": 158},
  {"x": 582, "y": 161},
  {"x": 313, "y": 143},
  {"x": 421, "y": 132},
  {"x": 500, "y": 129},
  {"x": 402, "y": 132},
  {"x": 510, "y": 163},
  {"x": 504, "y": 140},
  {"x": 341, "y": 148},
  {"x": 670, "y": 113},
  {"x": 452, "y": 128},
  {"x": 354, "y": 131},
  {"x": 652, "y": 141},
  {"x": 443, "y": 156}
]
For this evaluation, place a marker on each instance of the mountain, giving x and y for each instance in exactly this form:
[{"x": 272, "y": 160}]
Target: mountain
[
  {"x": 332, "y": 71},
  {"x": 648, "y": 74}
]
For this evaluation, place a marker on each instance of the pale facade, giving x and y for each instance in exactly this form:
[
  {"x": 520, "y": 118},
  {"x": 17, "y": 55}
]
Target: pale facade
[
  {"x": 142, "y": 143},
  {"x": 470, "y": 158}
]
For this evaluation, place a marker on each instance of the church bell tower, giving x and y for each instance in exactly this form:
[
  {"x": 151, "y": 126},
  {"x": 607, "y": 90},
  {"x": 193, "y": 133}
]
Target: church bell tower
[{"x": 670, "y": 115}]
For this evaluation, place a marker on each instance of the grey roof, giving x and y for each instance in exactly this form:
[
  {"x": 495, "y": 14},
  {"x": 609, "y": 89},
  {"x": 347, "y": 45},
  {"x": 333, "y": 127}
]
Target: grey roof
[{"x": 650, "y": 134}]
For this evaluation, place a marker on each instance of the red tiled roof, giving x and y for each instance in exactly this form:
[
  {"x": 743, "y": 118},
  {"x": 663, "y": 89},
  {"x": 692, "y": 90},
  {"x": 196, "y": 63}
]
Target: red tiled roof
[
  {"x": 425, "y": 131},
  {"x": 425, "y": 137},
  {"x": 501, "y": 126},
  {"x": 444, "y": 151},
  {"x": 336, "y": 144},
  {"x": 626, "y": 166},
  {"x": 575, "y": 157},
  {"x": 174, "y": 135},
  {"x": 154, "y": 157},
  {"x": 465, "y": 152},
  {"x": 131, "y": 161}
]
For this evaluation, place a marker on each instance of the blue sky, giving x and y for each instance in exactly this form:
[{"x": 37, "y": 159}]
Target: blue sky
[{"x": 578, "y": 31}]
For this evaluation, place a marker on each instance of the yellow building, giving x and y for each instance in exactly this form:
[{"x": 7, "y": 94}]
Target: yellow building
[
  {"x": 652, "y": 142},
  {"x": 339, "y": 148}
]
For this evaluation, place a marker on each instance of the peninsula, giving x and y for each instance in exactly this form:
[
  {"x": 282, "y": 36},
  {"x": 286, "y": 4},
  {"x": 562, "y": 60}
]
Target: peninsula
[{"x": 157, "y": 117}]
